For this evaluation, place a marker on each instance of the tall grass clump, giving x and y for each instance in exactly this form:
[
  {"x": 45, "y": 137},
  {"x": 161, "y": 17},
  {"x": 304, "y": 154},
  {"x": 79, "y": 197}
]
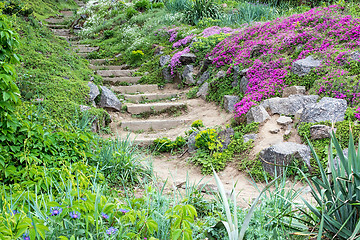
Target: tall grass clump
[{"x": 337, "y": 193}]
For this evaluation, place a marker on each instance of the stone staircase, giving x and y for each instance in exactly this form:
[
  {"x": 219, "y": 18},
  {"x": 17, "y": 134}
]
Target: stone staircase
[{"x": 148, "y": 112}]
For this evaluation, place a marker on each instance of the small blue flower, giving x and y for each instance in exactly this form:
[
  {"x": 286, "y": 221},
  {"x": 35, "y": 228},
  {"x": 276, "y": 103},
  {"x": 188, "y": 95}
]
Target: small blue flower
[
  {"x": 104, "y": 215},
  {"x": 111, "y": 231},
  {"x": 75, "y": 215},
  {"x": 123, "y": 210},
  {"x": 14, "y": 212},
  {"x": 54, "y": 211},
  {"x": 83, "y": 198},
  {"x": 26, "y": 236}
]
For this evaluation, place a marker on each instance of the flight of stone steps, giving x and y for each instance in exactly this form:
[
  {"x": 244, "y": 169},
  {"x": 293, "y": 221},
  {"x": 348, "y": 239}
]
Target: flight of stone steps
[{"x": 148, "y": 112}]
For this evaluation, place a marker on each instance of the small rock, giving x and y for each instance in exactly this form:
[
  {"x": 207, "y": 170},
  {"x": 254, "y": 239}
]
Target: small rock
[
  {"x": 225, "y": 137},
  {"x": 243, "y": 84},
  {"x": 303, "y": 66},
  {"x": 327, "y": 109},
  {"x": 220, "y": 74},
  {"x": 188, "y": 74},
  {"x": 188, "y": 58},
  {"x": 287, "y": 133},
  {"x": 205, "y": 64},
  {"x": 257, "y": 114},
  {"x": 229, "y": 102},
  {"x": 203, "y": 91},
  {"x": 205, "y": 76},
  {"x": 242, "y": 74},
  {"x": 84, "y": 108},
  {"x": 164, "y": 60},
  {"x": 108, "y": 99},
  {"x": 94, "y": 91},
  {"x": 283, "y": 120},
  {"x": 293, "y": 90},
  {"x": 248, "y": 137},
  {"x": 274, "y": 130},
  {"x": 298, "y": 115},
  {"x": 283, "y": 154},
  {"x": 166, "y": 72},
  {"x": 320, "y": 131},
  {"x": 191, "y": 141},
  {"x": 355, "y": 56},
  {"x": 207, "y": 188}
]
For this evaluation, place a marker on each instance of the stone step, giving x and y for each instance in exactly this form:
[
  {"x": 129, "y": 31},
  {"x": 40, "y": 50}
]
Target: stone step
[
  {"x": 152, "y": 107},
  {"x": 100, "y": 61},
  {"x": 81, "y": 54},
  {"x": 115, "y": 73},
  {"x": 117, "y": 80},
  {"x": 56, "y": 26},
  {"x": 54, "y": 20},
  {"x": 62, "y": 32},
  {"x": 108, "y": 67},
  {"x": 85, "y": 48},
  {"x": 67, "y": 14},
  {"x": 135, "y": 88},
  {"x": 149, "y": 96},
  {"x": 155, "y": 125}
]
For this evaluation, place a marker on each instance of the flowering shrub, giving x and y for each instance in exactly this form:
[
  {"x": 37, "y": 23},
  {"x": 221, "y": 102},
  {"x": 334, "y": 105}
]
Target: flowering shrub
[
  {"x": 319, "y": 31},
  {"x": 357, "y": 113},
  {"x": 207, "y": 140}
]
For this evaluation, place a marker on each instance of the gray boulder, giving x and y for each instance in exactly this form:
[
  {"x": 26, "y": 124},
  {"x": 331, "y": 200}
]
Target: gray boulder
[
  {"x": 188, "y": 74},
  {"x": 108, "y": 100},
  {"x": 257, "y": 114},
  {"x": 205, "y": 64},
  {"x": 293, "y": 90},
  {"x": 203, "y": 91},
  {"x": 225, "y": 137},
  {"x": 248, "y": 137},
  {"x": 166, "y": 73},
  {"x": 320, "y": 131},
  {"x": 164, "y": 60},
  {"x": 355, "y": 56},
  {"x": 229, "y": 102},
  {"x": 94, "y": 91},
  {"x": 303, "y": 66},
  {"x": 220, "y": 74},
  {"x": 191, "y": 141},
  {"x": 289, "y": 105},
  {"x": 187, "y": 58},
  {"x": 284, "y": 121},
  {"x": 205, "y": 76},
  {"x": 243, "y": 84},
  {"x": 283, "y": 154},
  {"x": 240, "y": 74},
  {"x": 327, "y": 109}
]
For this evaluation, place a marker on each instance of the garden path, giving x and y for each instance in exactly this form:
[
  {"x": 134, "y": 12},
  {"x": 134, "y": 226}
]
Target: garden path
[{"x": 152, "y": 112}]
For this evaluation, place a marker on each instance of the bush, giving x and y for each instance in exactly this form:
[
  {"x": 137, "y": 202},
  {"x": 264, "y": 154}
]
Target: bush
[
  {"x": 199, "y": 9},
  {"x": 166, "y": 145},
  {"x": 142, "y": 5},
  {"x": 207, "y": 140},
  {"x": 130, "y": 12}
]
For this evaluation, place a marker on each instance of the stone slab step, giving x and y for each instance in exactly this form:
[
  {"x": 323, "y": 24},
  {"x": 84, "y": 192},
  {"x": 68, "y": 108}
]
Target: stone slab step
[
  {"x": 56, "y": 26},
  {"x": 108, "y": 67},
  {"x": 54, "y": 20},
  {"x": 85, "y": 48},
  {"x": 81, "y": 54},
  {"x": 115, "y": 73},
  {"x": 152, "y": 107},
  {"x": 149, "y": 96},
  {"x": 67, "y": 14},
  {"x": 135, "y": 88},
  {"x": 156, "y": 125},
  {"x": 100, "y": 61},
  {"x": 118, "y": 80}
]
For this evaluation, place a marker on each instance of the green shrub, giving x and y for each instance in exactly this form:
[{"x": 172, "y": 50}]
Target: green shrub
[
  {"x": 166, "y": 145},
  {"x": 192, "y": 92},
  {"x": 199, "y": 9},
  {"x": 158, "y": 5},
  {"x": 207, "y": 140},
  {"x": 108, "y": 34},
  {"x": 197, "y": 124},
  {"x": 142, "y": 5},
  {"x": 130, "y": 12}
]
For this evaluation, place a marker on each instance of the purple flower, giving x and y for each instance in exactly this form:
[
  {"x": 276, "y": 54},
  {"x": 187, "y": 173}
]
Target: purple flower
[
  {"x": 123, "y": 210},
  {"x": 83, "y": 198},
  {"x": 111, "y": 231},
  {"x": 104, "y": 215},
  {"x": 14, "y": 212},
  {"x": 26, "y": 236},
  {"x": 75, "y": 215},
  {"x": 357, "y": 113},
  {"x": 54, "y": 211}
]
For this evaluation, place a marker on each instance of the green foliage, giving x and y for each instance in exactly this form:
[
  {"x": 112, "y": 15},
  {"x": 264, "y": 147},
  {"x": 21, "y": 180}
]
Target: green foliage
[
  {"x": 166, "y": 145},
  {"x": 207, "y": 140},
  {"x": 158, "y": 5},
  {"x": 218, "y": 88},
  {"x": 142, "y": 5},
  {"x": 336, "y": 194},
  {"x": 130, "y": 12},
  {"x": 192, "y": 92},
  {"x": 136, "y": 56},
  {"x": 306, "y": 80},
  {"x": 17, "y": 7},
  {"x": 197, "y": 124},
  {"x": 181, "y": 217},
  {"x": 199, "y": 9},
  {"x": 108, "y": 34},
  {"x": 204, "y": 45}
]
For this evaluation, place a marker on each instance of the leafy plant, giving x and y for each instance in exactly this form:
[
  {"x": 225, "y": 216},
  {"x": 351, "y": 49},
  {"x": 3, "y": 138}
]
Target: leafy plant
[
  {"x": 207, "y": 140},
  {"x": 181, "y": 218},
  {"x": 166, "y": 145},
  {"x": 199, "y": 9},
  {"x": 142, "y": 5},
  {"x": 337, "y": 193},
  {"x": 130, "y": 12}
]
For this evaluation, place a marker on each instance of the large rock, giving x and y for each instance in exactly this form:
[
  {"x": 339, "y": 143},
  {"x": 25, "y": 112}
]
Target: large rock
[
  {"x": 303, "y": 66},
  {"x": 257, "y": 114},
  {"x": 187, "y": 58},
  {"x": 108, "y": 100},
  {"x": 220, "y": 74},
  {"x": 248, "y": 137},
  {"x": 229, "y": 102},
  {"x": 225, "y": 137},
  {"x": 289, "y": 105},
  {"x": 283, "y": 154},
  {"x": 188, "y": 74},
  {"x": 293, "y": 90},
  {"x": 203, "y": 91},
  {"x": 94, "y": 91},
  {"x": 243, "y": 84},
  {"x": 320, "y": 131},
  {"x": 205, "y": 76},
  {"x": 327, "y": 109},
  {"x": 164, "y": 60},
  {"x": 243, "y": 79}
]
